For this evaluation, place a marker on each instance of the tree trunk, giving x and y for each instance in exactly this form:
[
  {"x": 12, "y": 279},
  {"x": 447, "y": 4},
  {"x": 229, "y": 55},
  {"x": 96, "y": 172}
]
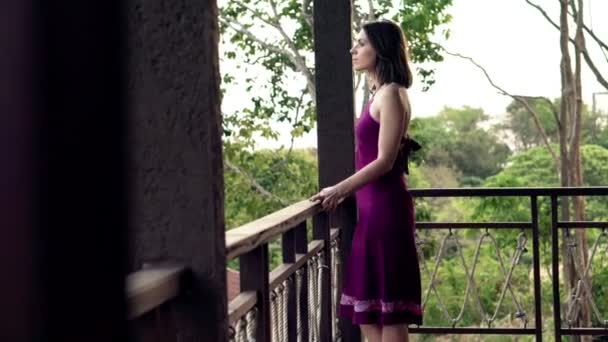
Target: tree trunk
[
  {"x": 575, "y": 151},
  {"x": 366, "y": 93},
  {"x": 570, "y": 135},
  {"x": 566, "y": 74}
]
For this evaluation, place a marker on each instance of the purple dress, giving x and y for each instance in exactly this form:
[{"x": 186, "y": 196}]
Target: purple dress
[{"x": 381, "y": 283}]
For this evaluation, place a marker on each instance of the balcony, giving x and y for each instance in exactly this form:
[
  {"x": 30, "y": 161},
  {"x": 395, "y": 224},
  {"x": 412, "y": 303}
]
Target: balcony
[
  {"x": 297, "y": 300},
  {"x": 118, "y": 168}
]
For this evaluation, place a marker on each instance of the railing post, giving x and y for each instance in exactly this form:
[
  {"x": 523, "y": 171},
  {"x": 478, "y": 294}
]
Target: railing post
[
  {"x": 557, "y": 323},
  {"x": 536, "y": 262},
  {"x": 301, "y": 245},
  {"x": 335, "y": 108},
  {"x": 321, "y": 231},
  {"x": 254, "y": 277},
  {"x": 347, "y": 214},
  {"x": 289, "y": 256}
]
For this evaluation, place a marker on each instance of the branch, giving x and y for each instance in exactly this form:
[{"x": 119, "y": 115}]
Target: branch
[
  {"x": 520, "y": 99},
  {"x": 593, "y": 68},
  {"x": 356, "y": 18},
  {"x": 597, "y": 40},
  {"x": 242, "y": 29},
  {"x": 554, "y": 109},
  {"x": 299, "y": 61},
  {"x": 358, "y": 83},
  {"x": 296, "y": 59},
  {"x": 308, "y": 17},
  {"x": 579, "y": 47},
  {"x": 300, "y": 100},
  {"x": 544, "y": 13},
  {"x": 372, "y": 13},
  {"x": 260, "y": 189},
  {"x": 583, "y": 49},
  {"x": 365, "y": 98},
  {"x": 259, "y": 15},
  {"x": 286, "y": 159},
  {"x": 539, "y": 126},
  {"x": 588, "y": 60},
  {"x": 602, "y": 45}
]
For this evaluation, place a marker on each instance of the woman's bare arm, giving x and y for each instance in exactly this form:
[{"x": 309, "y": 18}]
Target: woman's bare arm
[{"x": 392, "y": 122}]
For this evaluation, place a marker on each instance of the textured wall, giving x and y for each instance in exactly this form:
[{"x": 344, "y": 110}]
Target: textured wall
[{"x": 176, "y": 162}]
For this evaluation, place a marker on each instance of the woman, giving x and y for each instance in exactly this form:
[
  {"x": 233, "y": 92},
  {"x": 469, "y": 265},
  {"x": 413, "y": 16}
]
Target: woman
[{"x": 381, "y": 291}]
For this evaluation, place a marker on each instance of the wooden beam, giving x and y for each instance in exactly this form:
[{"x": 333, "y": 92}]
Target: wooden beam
[
  {"x": 149, "y": 288},
  {"x": 254, "y": 277},
  {"x": 334, "y": 84},
  {"x": 288, "y": 244},
  {"x": 302, "y": 248},
  {"x": 321, "y": 231},
  {"x": 335, "y": 108}
]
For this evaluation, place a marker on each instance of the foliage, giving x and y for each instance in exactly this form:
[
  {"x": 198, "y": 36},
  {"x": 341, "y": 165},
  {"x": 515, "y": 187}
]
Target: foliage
[
  {"x": 455, "y": 139},
  {"x": 458, "y": 150},
  {"x": 290, "y": 176},
  {"x": 274, "y": 40},
  {"x": 451, "y": 280},
  {"x": 297, "y": 179},
  {"x": 520, "y": 124},
  {"x": 534, "y": 168}
]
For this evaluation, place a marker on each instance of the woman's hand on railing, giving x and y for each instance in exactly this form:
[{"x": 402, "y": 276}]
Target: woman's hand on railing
[{"x": 330, "y": 197}]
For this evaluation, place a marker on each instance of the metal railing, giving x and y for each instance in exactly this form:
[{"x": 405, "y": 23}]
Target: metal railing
[
  {"x": 528, "y": 229},
  {"x": 271, "y": 308}
]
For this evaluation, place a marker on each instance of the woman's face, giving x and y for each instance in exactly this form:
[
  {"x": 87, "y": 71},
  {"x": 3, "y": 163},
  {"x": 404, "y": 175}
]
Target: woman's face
[{"x": 363, "y": 54}]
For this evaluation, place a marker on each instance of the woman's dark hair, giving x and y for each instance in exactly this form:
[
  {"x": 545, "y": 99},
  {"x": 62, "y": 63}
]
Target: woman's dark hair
[{"x": 390, "y": 44}]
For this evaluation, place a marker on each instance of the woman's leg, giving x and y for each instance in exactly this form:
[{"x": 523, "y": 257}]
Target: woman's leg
[
  {"x": 372, "y": 332},
  {"x": 395, "y": 333}
]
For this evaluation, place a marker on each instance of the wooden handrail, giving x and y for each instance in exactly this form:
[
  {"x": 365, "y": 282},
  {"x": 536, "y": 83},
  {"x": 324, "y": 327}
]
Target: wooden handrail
[
  {"x": 240, "y": 305},
  {"x": 253, "y": 234},
  {"x": 149, "y": 288},
  {"x": 279, "y": 274},
  {"x": 334, "y": 233}
]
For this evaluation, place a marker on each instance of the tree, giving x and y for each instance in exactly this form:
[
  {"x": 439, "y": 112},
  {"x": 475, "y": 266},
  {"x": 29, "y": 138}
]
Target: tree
[
  {"x": 570, "y": 122},
  {"x": 520, "y": 123},
  {"x": 273, "y": 39},
  {"x": 463, "y": 120},
  {"x": 455, "y": 139},
  {"x": 532, "y": 168},
  {"x": 595, "y": 129},
  {"x": 479, "y": 154},
  {"x": 568, "y": 117},
  {"x": 268, "y": 187}
]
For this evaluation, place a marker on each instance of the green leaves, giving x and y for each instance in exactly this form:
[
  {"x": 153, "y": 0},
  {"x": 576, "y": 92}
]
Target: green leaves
[
  {"x": 420, "y": 20},
  {"x": 280, "y": 50},
  {"x": 455, "y": 139},
  {"x": 289, "y": 175}
]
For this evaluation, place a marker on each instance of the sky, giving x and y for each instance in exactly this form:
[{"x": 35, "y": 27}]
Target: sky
[{"x": 517, "y": 46}]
